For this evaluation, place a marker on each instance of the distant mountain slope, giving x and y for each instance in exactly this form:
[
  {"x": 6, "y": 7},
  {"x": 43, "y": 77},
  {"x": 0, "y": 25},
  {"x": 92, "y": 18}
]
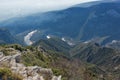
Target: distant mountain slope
[
  {"x": 76, "y": 22},
  {"x": 55, "y": 45},
  {"x": 6, "y": 37},
  {"x": 105, "y": 58},
  {"x": 94, "y": 53}
]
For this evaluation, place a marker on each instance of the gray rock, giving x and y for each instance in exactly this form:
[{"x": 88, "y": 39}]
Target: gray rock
[{"x": 28, "y": 73}]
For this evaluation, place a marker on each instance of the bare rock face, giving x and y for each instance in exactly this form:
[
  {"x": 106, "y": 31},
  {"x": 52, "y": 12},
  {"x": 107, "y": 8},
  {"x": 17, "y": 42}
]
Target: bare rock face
[
  {"x": 56, "y": 78},
  {"x": 1, "y": 55},
  {"x": 28, "y": 73}
]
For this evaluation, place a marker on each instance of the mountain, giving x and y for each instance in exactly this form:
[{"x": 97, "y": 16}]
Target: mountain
[
  {"x": 6, "y": 37},
  {"x": 91, "y": 52},
  {"x": 35, "y": 63},
  {"x": 54, "y": 44},
  {"x": 83, "y": 61},
  {"x": 96, "y": 54},
  {"x": 89, "y": 4},
  {"x": 78, "y": 23},
  {"x": 78, "y": 43},
  {"x": 105, "y": 58}
]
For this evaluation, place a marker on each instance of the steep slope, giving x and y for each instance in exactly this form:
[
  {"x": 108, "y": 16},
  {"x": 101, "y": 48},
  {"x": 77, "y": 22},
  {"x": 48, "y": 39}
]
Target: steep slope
[
  {"x": 6, "y": 37},
  {"x": 91, "y": 52},
  {"x": 54, "y": 44},
  {"x": 80, "y": 23},
  {"x": 29, "y": 58},
  {"x": 106, "y": 58},
  {"x": 94, "y": 53}
]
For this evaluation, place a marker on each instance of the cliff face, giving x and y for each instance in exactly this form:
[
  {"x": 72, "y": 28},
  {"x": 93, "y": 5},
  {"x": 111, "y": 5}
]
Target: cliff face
[{"x": 27, "y": 72}]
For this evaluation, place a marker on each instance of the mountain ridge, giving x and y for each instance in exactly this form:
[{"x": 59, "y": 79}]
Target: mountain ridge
[{"x": 80, "y": 23}]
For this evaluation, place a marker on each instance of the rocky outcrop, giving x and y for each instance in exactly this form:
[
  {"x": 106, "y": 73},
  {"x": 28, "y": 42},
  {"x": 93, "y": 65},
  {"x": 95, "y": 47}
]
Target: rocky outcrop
[{"x": 27, "y": 72}]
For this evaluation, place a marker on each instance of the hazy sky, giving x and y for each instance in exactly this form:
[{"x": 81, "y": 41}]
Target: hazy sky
[{"x": 13, "y": 8}]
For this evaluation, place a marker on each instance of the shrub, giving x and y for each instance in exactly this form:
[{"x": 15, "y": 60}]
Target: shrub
[{"x": 6, "y": 74}]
